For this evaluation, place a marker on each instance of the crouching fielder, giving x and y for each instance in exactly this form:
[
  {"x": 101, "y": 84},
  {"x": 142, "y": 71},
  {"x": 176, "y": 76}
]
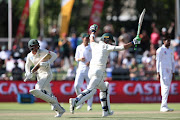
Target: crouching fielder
[
  {"x": 100, "y": 53},
  {"x": 44, "y": 75}
]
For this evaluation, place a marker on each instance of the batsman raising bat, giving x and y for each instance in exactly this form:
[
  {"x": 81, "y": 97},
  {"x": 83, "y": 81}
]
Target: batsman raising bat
[
  {"x": 42, "y": 59},
  {"x": 100, "y": 53}
]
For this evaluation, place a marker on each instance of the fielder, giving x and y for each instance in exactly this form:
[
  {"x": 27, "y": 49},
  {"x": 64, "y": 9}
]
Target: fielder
[
  {"x": 44, "y": 75},
  {"x": 100, "y": 53},
  {"x": 83, "y": 57},
  {"x": 165, "y": 71}
]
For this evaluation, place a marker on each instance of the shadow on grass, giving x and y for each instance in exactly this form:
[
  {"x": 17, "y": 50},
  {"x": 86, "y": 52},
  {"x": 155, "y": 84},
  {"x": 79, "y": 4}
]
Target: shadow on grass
[{"x": 20, "y": 110}]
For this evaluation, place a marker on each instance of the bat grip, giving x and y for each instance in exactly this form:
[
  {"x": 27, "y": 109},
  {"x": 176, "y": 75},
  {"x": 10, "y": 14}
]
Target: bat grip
[
  {"x": 25, "y": 79},
  {"x": 135, "y": 47}
]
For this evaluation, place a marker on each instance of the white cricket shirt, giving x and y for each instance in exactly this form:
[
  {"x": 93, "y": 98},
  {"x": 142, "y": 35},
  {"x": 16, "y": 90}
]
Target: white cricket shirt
[
  {"x": 34, "y": 59},
  {"x": 164, "y": 59},
  {"x": 83, "y": 51},
  {"x": 100, "y": 53}
]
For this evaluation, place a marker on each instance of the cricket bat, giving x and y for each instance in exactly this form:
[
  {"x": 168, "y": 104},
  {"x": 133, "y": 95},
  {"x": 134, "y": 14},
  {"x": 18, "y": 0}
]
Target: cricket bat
[
  {"x": 37, "y": 66},
  {"x": 139, "y": 26}
]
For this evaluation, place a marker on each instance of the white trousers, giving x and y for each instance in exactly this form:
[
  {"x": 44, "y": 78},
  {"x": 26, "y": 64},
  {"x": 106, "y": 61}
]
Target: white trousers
[
  {"x": 165, "y": 81},
  {"x": 43, "y": 82},
  {"x": 96, "y": 81},
  {"x": 82, "y": 75}
]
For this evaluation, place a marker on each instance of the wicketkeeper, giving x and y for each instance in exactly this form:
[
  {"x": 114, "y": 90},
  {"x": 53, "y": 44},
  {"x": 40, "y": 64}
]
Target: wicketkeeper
[
  {"x": 100, "y": 53},
  {"x": 44, "y": 75}
]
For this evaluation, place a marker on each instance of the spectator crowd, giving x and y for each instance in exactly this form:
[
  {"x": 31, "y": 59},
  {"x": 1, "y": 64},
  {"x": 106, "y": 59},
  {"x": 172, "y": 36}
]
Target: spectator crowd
[{"x": 139, "y": 64}]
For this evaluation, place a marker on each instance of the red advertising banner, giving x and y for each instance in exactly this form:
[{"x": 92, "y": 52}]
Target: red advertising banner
[
  {"x": 96, "y": 11},
  {"x": 21, "y": 27},
  {"x": 120, "y": 91}
]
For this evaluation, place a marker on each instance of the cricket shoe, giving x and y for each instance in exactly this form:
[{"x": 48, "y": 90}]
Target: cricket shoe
[
  {"x": 166, "y": 109},
  {"x": 58, "y": 108},
  {"x": 79, "y": 106},
  {"x": 107, "y": 113},
  {"x": 59, "y": 114},
  {"x": 89, "y": 108},
  {"x": 72, "y": 104}
]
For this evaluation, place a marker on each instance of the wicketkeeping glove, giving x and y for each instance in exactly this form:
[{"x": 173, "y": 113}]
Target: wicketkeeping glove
[
  {"x": 137, "y": 40},
  {"x": 93, "y": 28}
]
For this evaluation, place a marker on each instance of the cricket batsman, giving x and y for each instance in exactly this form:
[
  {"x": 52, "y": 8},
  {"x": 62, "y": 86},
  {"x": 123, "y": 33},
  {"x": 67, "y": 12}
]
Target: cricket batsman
[
  {"x": 165, "y": 66},
  {"x": 100, "y": 53},
  {"x": 44, "y": 75}
]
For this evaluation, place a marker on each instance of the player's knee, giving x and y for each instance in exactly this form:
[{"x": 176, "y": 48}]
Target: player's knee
[
  {"x": 103, "y": 95},
  {"x": 104, "y": 87},
  {"x": 35, "y": 92}
]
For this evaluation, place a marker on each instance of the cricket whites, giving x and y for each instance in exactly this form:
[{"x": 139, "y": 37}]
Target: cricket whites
[{"x": 37, "y": 66}]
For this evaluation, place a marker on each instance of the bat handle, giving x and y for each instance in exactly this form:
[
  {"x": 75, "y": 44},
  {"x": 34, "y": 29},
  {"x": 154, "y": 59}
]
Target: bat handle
[
  {"x": 25, "y": 79},
  {"x": 135, "y": 48},
  {"x": 137, "y": 38}
]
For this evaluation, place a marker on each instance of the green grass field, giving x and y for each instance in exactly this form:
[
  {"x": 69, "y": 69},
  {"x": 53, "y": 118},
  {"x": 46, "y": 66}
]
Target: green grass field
[{"x": 41, "y": 111}]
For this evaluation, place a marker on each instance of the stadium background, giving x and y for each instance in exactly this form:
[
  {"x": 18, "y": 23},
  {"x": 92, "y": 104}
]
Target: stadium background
[
  {"x": 132, "y": 74},
  {"x": 134, "y": 90}
]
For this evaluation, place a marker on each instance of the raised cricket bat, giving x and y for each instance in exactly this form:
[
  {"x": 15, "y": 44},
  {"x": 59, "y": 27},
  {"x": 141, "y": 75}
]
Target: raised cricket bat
[
  {"x": 37, "y": 66},
  {"x": 139, "y": 26}
]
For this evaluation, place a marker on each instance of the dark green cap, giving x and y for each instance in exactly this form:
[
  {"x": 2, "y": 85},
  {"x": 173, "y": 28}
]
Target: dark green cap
[
  {"x": 85, "y": 35},
  {"x": 107, "y": 36}
]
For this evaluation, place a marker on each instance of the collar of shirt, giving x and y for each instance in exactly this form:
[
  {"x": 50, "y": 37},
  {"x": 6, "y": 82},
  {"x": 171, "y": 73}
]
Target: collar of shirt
[
  {"x": 37, "y": 53},
  {"x": 84, "y": 45},
  {"x": 163, "y": 46}
]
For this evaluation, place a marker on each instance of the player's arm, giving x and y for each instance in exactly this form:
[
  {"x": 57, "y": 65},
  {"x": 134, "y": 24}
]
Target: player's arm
[
  {"x": 53, "y": 57},
  {"x": 28, "y": 65},
  {"x": 92, "y": 37},
  {"x": 158, "y": 58},
  {"x": 50, "y": 60},
  {"x": 173, "y": 66},
  {"x": 77, "y": 55},
  {"x": 126, "y": 46},
  {"x": 93, "y": 28}
]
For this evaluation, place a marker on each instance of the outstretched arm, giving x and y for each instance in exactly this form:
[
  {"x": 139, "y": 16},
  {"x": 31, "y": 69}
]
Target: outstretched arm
[
  {"x": 92, "y": 37},
  {"x": 126, "y": 46},
  {"x": 93, "y": 28}
]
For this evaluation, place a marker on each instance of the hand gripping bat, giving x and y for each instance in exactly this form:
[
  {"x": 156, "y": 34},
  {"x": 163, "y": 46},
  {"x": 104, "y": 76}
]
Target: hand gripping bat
[{"x": 37, "y": 66}]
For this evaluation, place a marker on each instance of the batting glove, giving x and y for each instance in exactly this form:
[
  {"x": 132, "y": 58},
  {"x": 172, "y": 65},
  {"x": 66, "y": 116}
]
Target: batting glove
[
  {"x": 136, "y": 40},
  {"x": 45, "y": 64},
  {"x": 93, "y": 28},
  {"x": 28, "y": 75}
]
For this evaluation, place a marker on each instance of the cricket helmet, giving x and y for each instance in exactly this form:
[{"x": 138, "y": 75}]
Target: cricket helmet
[
  {"x": 107, "y": 38},
  {"x": 32, "y": 43}
]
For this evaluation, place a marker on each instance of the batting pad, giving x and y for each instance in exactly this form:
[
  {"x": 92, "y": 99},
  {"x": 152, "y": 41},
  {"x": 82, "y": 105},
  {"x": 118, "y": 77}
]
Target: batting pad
[
  {"x": 39, "y": 94},
  {"x": 104, "y": 97},
  {"x": 85, "y": 95}
]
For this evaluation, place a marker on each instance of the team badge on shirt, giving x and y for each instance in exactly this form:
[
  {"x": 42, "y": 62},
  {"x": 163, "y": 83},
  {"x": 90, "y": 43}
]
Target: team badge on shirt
[{"x": 165, "y": 52}]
